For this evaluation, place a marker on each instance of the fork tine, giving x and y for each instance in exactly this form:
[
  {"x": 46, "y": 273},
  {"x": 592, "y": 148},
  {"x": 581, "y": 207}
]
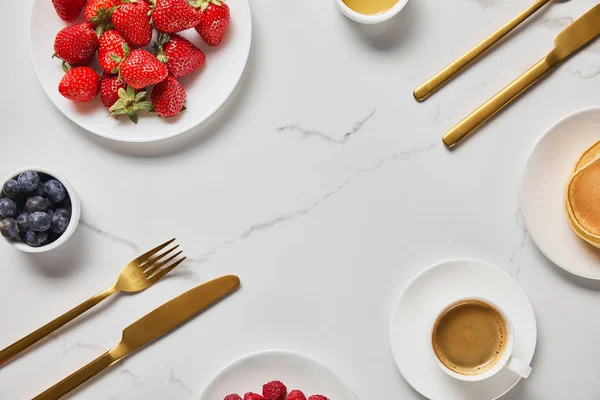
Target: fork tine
[
  {"x": 160, "y": 274},
  {"x": 158, "y": 266},
  {"x": 152, "y": 252},
  {"x": 154, "y": 260}
]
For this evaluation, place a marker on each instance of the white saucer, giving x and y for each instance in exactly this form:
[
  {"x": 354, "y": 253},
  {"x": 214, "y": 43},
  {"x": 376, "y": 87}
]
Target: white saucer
[
  {"x": 548, "y": 169},
  {"x": 422, "y": 300},
  {"x": 295, "y": 370}
]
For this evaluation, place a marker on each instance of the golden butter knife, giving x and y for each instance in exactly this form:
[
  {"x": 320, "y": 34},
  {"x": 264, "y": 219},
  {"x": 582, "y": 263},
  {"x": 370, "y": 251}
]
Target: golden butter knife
[
  {"x": 439, "y": 79},
  {"x": 150, "y": 327},
  {"x": 574, "y": 37}
]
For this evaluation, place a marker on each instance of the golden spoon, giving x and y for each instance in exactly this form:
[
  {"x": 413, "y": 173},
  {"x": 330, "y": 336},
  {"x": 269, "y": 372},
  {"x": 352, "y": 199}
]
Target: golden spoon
[{"x": 433, "y": 84}]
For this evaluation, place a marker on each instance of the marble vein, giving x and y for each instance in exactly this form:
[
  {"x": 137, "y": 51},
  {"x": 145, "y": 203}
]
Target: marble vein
[
  {"x": 556, "y": 22},
  {"x": 179, "y": 382},
  {"x": 357, "y": 127},
  {"x": 114, "y": 238},
  {"x": 433, "y": 114},
  {"x": 485, "y": 4},
  {"x": 586, "y": 75},
  {"x": 523, "y": 235},
  {"x": 286, "y": 217},
  {"x": 135, "y": 380},
  {"x": 80, "y": 345}
]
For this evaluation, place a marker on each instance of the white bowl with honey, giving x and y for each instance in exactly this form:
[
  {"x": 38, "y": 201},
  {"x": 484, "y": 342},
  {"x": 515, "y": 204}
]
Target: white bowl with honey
[{"x": 370, "y": 11}]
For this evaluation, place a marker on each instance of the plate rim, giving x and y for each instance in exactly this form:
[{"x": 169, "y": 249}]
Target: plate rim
[
  {"x": 537, "y": 143},
  {"x": 141, "y": 140},
  {"x": 437, "y": 265},
  {"x": 294, "y": 353}
]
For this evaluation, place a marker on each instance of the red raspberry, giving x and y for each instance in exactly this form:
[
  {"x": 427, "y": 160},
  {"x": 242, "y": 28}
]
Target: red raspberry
[
  {"x": 274, "y": 391},
  {"x": 296, "y": 395},
  {"x": 317, "y": 397},
  {"x": 232, "y": 397},
  {"x": 253, "y": 396}
]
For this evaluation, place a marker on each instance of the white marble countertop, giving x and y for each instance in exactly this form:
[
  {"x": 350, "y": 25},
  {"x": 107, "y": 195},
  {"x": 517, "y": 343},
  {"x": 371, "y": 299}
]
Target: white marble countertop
[{"x": 322, "y": 183}]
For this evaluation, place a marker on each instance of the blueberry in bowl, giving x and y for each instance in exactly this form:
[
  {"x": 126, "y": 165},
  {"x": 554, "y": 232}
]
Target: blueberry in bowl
[{"x": 39, "y": 210}]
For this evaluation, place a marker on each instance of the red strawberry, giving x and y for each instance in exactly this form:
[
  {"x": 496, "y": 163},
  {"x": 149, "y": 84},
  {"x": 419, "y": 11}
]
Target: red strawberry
[
  {"x": 76, "y": 44},
  {"x": 215, "y": 19},
  {"x": 80, "y": 84},
  {"x": 68, "y": 10},
  {"x": 296, "y": 395},
  {"x": 274, "y": 391},
  {"x": 168, "y": 97},
  {"x": 111, "y": 44},
  {"x": 128, "y": 101},
  {"x": 132, "y": 21},
  {"x": 109, "y": 89},
  {"x": 141, "y": 68},
  {"x": 180, "y": 55},
  {"x": 232, "y": 397},
  {"x": 253, "y": 396},
  {"x": 99, "y": 12},
  {"x": 317, "y": 397},
  {"x": 172, "y": 16}
]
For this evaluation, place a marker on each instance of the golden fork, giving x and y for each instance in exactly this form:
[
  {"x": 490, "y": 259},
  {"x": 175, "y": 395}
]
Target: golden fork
[
  {"x": 138, "y": 275},
  {"x": 439, "y": 79}
]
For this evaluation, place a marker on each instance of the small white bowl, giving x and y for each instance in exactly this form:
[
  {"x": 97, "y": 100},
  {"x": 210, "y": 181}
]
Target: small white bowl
[
  {"x": 75, "y": 212},
  {"x": 371, "y": 19}
]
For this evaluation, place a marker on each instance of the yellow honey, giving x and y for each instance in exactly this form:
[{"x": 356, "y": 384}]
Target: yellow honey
[{"x": 370, "y": 7}]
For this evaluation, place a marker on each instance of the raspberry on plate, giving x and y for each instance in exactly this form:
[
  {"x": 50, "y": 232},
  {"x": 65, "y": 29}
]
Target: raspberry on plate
[
  {"x": 317, "y": 397},
  {"x": 232, "y": 397},
  {"x": 274, "y": 391},
  {"x": 296, "y": 395},
  {"x": 253, "y": 396}
]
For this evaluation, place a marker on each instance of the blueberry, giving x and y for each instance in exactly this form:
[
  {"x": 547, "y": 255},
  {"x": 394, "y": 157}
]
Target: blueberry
[
  {"x": 55, "y": 191},
  {"x": 50, "y": 214},
  {"x": 12, "y": 189},
  {"x": 9, "y": 228},
  {"x": 64, "y": 211},
  {"x": 36, "y": 239},
  {"x": 39, "y": 221},
  {"x": 36, "y": 203},
  {"x": 22, "y": 222},
  {"x": 28, "y": 181},
  {"x": 59, "y": 223},
  {"x": 8, "y": 208}
]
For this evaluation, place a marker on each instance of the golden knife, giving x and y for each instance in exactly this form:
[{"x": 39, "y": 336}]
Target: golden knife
[
  {"x": 150, "y": 327},
  {"x": 574, "y": 37},
  {"x": 439, "y": 79}
]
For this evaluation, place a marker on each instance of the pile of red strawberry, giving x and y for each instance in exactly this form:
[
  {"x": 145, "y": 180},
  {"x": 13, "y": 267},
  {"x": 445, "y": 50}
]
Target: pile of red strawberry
[
  {"x": 116, "y": 31},
  {"x": 275, "y": 390}
]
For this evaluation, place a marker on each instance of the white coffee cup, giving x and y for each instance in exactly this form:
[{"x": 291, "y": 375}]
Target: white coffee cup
[{"x": 506, "y": 361}]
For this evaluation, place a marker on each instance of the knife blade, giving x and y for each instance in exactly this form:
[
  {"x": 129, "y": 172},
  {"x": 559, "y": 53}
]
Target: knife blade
[
  {"x": 148, "y": 328},
  {"x": 574, "y": 37}
]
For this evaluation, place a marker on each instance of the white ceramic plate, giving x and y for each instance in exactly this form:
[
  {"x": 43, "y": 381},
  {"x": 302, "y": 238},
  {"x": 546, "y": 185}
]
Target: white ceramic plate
[
  {"x": 295, "y": 370},
  {"x": 207, "y": 89},
  {"x": 423, "y": 299},
  {"x": 548, "y": 169}
]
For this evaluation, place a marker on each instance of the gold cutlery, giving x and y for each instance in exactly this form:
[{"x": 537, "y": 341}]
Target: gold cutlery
[
  {"x": 138, "y": 275},
  {"x": 575, "y": 36},
  {"x": 150, "y": 327},
  {"x": 433, "y": 84}
]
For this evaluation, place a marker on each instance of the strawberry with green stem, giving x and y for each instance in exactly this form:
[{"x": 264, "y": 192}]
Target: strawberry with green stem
[
  {"x": 76, "y": 45},
  {"x": 215, "y": 20},
  {"x": 111, "y": 48},
  {"x": 132, "y": 20},
  {"x": 180, "y": 55},
  {"x": 99, "y": 13},
  {"x": 80, "y": 84},
  {"x": 172, "y": 16},
  {"x": 129, "y": 103},
  {"x": 139, "y": 68}
]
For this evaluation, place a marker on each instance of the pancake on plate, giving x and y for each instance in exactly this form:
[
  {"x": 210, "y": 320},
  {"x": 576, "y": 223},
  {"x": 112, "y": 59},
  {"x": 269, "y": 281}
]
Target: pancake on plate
[{"x": 582, "y": 197}]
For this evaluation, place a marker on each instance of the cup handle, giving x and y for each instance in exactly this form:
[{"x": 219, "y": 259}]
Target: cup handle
[{"x": 518, "y": 367}]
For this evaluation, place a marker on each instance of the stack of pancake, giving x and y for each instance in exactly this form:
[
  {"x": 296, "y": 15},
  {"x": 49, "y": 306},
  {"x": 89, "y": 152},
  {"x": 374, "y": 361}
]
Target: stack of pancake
[{"x": 582, "y": 197}]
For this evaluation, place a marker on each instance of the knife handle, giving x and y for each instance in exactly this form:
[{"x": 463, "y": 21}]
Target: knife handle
[
  {"x": 498, "y": 102},
  {"x": 438, "y": 80},
  {"x": 34, "y": 337},
  {"x": 84, "y": 374}
]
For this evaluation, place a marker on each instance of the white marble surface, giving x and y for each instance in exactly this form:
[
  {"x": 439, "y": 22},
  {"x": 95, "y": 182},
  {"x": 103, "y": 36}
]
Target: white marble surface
[{"x": 322, "y": 183}]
